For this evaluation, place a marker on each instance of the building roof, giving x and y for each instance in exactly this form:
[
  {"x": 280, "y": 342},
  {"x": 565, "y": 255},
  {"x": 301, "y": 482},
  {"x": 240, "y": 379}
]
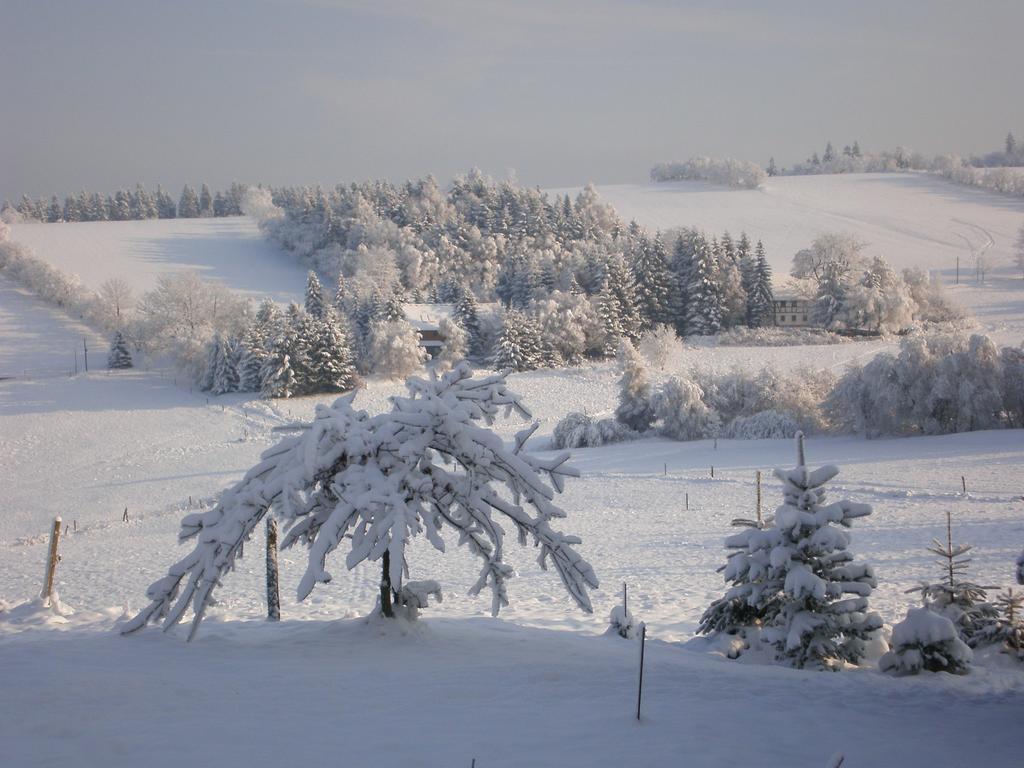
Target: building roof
[{"x": 424, "y": 317}]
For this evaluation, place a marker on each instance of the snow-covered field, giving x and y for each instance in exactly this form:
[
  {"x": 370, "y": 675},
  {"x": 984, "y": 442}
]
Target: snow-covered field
[
  {"x": 227, "y": 249},
  {"x": 540, "y": 685}
]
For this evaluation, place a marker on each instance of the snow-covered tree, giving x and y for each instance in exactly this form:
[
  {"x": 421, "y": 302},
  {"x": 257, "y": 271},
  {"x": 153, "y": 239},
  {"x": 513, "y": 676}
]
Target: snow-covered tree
[
  {"x": 429, "y": 466},
  {"x": 761, "y": 299},
  {"x": 578, "y": 430},
  {"x": 659, "y": 345},
  {"x": 314, "y": 296},
  {"x": 331, "y": 367},
  {"x": 466, "y": 313},
  {"x": 517, "y": 347},
  {"x": 683, "y": 415},
  {"x": 1007, "y": 631},
  {"x": 188, "y": 205},
  {"x": 455, "y": 345},
  {"x": 277, "y": 377},
  {"x": 703, "y": 296},
  {"x": 221, "y": 374},
  {"x": 393, "y": 349},
  {"x": 795, "y": 574},
  {"x": 962, "y": 602},
  {"x": 635, "y": 408},
  {"x": 205, "y": 201},
  {"x": 120, "y": 356},
  {"x": 653, "y": 280},
  {"x": 925, "y": 641},
  {"x": 1018, "y": 258}
]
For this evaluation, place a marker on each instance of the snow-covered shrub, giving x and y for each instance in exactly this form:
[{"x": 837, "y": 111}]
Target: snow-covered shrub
[
  {"x": 635, "y": 409},
  {"x": 659, "y": 345},
  {"x": 934, "y": 305},
  {"x": 431, "y": 465},
  {"x": 937, "y": 384},
  {"x": 578, "y": 430},
  {"x": 790, "y": 579},
  {"x": 778, "y": 337},
  {"x": 681, "y": 412},
  {"x": 741, "y": 393},
  {"x": 393, "y": 350},
  {"x": 120, "y": 356},
  {"x": 728, "y": 171},
  {"x": 1007, "y": 631},
  {"x": 925, "y": 641},
  {"x": 622, "y": 623},
  {"x": 455, "y": 346},
  {"x": 518, "y": 346},
  {"x": 764, "y": 425}
]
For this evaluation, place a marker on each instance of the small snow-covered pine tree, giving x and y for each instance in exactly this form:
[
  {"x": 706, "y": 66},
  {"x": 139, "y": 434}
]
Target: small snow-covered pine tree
[
  {"x": 610, "y": 317},
  {"x": 635, "y": 409},
  {"x": 120, "y": 356},
  {"x": 794, "y": 575},
  {"x": 222, "y": 367},
  {"x": 962, "y": 602},
  {"x": 466, "y": 314},
  {"x": 925, "y": 640}
]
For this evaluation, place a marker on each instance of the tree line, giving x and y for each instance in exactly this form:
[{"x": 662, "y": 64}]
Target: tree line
[{"x": 129, "y": 205}]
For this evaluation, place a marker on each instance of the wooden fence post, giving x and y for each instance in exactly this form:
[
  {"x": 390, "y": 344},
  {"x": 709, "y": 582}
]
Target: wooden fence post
[
  {"x": 51, "y": 562},
  {"x": 963, "y": 484},
  {"x": 640, "y": 684},
  {"x": 273, "y": 591}
]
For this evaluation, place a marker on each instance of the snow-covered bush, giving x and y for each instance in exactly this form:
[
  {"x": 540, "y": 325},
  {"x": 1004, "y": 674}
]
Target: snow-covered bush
[
  {"x": 393, "y": 350},
  {"x": 455, "y": 347},
  {"x": 622, "y": 623},
  {"x": 937, "y": 384},
  {"x": 790, "y": 579},
  {"x": 635, "y": 409},
  {"x": 763, "y": 425},
  {"x": 778, "y": 337},
  {"x": 578, "y": 430},
  {"x": 518, "y": 346},
  {"x": 925, "y": 641},
  {"x": 682, "y": 413},
  {"x": 659, "y": 345},
  {"x": 728, "y": 171},
  {"x": 431, "y": 465}
]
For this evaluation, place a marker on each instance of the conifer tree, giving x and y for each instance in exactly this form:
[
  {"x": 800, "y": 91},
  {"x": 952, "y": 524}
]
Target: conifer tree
[
  {"x": 772, "y": 169},
  {"x": 653, "y": 281},
  {"x": 794, "y": 574},
  {"x": 330, "y": 354},
  {"x": 188, "y": 205},
  {"x": 277, "y": 378},
  {"x": 761, "y": 300},
  {"x": 205, "y": 202},
  {"x": 314, "y": 296},
  {"x": 120, "y": 356},
  {"x": 517, "y": 347},
  {"x": 704, "y": 300},
  {"x": 250, "y": 359},
  {"x": 622, "y": 285},
  {"x": 465, "y": 313},
  {"x": 610, "y": 319},
  {"x": 962, "y": 602},
  {"x": 682, "y": 264},
  {"x": 925, "y": 641}
]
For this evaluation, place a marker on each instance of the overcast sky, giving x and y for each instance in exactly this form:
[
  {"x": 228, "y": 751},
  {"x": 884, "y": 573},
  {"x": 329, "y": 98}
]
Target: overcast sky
[{"x": 100, "y": 94}]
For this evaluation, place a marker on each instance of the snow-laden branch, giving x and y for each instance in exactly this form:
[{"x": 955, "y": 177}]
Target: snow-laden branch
[{"x": 430, "y": 463}]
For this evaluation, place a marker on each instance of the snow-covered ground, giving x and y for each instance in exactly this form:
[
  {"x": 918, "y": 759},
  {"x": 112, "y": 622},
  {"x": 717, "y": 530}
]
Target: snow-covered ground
[
  {"x": 538, "y": 686},
  {"x": 228, "y": 249}
]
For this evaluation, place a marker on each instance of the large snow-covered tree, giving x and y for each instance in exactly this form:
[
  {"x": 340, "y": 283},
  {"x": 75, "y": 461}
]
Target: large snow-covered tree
[
  {"x": 790, "y": 580},
  {"x": 314, "y": 296},
  {"x": 704, "y": 298},
  {"x": 429, "y": 466},
  {"x": 635, "y": 409}
]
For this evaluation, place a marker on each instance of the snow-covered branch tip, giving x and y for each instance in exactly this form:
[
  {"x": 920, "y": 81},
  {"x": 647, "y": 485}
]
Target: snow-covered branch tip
[{"x": 428, "y": 465}]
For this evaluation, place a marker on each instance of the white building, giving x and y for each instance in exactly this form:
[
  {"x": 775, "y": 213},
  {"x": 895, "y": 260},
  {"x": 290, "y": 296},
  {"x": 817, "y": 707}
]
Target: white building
[{"x": 792, "y": 311}]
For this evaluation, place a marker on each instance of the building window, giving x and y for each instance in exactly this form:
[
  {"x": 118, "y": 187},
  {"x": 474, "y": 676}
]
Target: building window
[
  {"x": 794, "y": 318},
  {"x": 805, "y": 318}
]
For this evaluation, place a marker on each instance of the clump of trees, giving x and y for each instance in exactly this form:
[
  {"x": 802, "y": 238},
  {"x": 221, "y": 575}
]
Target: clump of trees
[
  {"x": 717, "y": 170},
  {"x": 133, "y": 204}
]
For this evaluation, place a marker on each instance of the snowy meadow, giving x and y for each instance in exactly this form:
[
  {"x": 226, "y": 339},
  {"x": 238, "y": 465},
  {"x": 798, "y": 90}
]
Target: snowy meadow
[{"x": 123, "y": 456}]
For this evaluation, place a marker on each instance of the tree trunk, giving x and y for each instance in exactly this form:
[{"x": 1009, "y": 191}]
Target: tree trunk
[
  {"x": 273, "y": 592},
  {"x": 385, "y": 586}
]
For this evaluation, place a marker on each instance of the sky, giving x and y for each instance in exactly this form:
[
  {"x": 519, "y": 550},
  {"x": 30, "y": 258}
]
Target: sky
[{"x": 101, "y": 95}]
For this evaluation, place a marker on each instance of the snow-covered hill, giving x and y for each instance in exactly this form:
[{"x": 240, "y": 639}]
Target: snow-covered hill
[
  {"x": 649, "y": 513},
  {"x": 228, "y": 249}
]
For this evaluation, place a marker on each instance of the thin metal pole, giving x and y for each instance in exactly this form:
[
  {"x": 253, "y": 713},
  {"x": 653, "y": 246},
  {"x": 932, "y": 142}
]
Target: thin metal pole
[{"x": 640, "y": 686}]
